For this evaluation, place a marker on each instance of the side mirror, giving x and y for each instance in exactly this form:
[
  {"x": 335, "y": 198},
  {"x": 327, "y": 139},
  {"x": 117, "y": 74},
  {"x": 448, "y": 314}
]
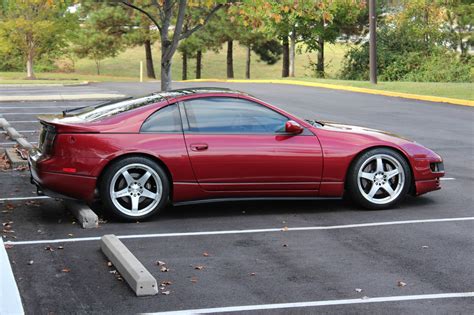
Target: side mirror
[{"x": 293, "y": 127}]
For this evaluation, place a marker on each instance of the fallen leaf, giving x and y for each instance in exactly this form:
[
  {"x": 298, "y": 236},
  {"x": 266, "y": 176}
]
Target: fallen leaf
[
  {"x": 424, "y": 246},
  {"x": 194, "y": 280},
  {"x": 109, "y": 264},
  {"x": 284, "y": 229},
  {"x": 365, "y": 297},
  {"x": 358, "y": 290},
  {"x": 164, "y": 269},
  {"x": 70, "y": 235},
  {"x": 165, "y": 292},
  {"x": 205, "y": 254},
  {"x": 113, "y": 272},
  {"x": 66, "y": 270},
  {"x": 199, "y": 267},
  {"x": 8, "y": 246},
  {"x": 31, "y": 262},
  {"x": 253, "y": 274},
  {"x": 60, "y": 247},
  {"x": 50, "y": 248},
  {"x": 401, "y": 284},
  {"x": 165, "y": 283},
  {"x": 160, "y": 263},
  {"x": 9, "y": 206}
]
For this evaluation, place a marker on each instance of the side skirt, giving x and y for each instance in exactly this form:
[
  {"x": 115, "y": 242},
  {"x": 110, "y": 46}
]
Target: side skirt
[{"x": 213, "y": 200}]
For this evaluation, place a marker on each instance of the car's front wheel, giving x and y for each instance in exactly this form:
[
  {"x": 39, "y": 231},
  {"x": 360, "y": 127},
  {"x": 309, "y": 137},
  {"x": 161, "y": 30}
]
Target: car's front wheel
[
  {"x": 379, "y": 179},
  {"x": 134, "y": 188}
]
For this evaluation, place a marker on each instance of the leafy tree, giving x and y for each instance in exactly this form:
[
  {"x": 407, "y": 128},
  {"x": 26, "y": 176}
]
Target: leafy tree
[
  {"x": 339, "y": 17},
  {"x": 34, "y": 28},
  {"x": 102, "y": 33},
  {"x": 167, "y": 12},
  {"x": 460, "y": 25}
]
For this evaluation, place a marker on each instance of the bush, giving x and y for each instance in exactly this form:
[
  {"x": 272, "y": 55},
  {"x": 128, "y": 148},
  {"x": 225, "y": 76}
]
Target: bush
[{"x": 403, "y": 58}]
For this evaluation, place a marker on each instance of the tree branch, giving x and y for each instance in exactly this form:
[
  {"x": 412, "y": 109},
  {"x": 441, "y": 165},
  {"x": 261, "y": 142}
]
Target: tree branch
[
  {"x": 197, "y": 27},
  {"x": 128, "y": 4}
]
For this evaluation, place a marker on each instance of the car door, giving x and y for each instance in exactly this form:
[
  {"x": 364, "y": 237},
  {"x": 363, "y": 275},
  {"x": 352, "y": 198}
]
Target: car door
[{"x": 236, "y": 144}]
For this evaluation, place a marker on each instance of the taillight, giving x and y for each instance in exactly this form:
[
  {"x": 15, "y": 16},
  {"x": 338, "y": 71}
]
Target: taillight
[{"x": 46, "y": 140}]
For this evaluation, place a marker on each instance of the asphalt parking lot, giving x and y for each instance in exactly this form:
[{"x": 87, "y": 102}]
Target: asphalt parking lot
[{"x": 251, "y": 253}]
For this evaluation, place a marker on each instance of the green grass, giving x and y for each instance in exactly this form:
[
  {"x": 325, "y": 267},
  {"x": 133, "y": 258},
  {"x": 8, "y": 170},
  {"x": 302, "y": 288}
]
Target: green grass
[
  {"x": 127, "y": 64},
  {"x": 125, "y": 67},
  {"x": 452, "y": 90}
]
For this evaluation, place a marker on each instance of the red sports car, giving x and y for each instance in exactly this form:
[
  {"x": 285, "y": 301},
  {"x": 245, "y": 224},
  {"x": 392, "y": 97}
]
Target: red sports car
[{"x": 209, "y": 144}]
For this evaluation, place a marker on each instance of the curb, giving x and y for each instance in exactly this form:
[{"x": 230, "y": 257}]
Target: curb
[
  {"x": 137, "y": 276},
  {"x": 45, "y": 84},
  {"x": 436, "y": 99}
]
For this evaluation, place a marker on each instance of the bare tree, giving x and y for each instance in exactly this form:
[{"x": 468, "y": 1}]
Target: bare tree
[{"x": 162, "y": 14}]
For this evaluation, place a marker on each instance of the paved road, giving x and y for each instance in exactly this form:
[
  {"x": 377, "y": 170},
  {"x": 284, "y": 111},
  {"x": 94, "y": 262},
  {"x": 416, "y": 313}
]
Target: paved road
[{"x": 430, "y": 257}]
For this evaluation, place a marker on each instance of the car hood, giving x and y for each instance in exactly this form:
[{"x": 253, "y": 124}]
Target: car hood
[{"x": 334, "y": 126}]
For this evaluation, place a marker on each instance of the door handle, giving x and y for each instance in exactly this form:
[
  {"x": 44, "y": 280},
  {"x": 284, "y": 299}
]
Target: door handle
[{"x": 199, "y": 146}]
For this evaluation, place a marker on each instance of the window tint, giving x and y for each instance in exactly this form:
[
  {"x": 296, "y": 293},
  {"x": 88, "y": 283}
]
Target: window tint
[
  {"x": 232, "y": 115},
  {"x": 165, "y": 120}
]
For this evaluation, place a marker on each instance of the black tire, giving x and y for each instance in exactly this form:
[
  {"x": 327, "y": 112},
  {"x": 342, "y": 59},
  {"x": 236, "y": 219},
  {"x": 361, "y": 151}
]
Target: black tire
[
  {"x": 360, "y": 188},
  {"x": 156, "y": 183}
]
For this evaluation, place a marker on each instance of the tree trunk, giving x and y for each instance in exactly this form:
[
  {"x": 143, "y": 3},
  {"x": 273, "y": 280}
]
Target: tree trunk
[
  {"x": 286, "y": 58},
  {"x": 198, "y": 64},
  {"x": 320, "y": 64},
  {"x": 97, "y": 66},
  {"x": 165, "y": 76},
  {"x": 150, "y": 69},
  {"x": 292, "y": 53},
  {"x": 30, "y": 74},
  {"x": 185, "y": 66},
  {"x": 230, "y": 60},
  {"x": 247, "y": 63}
]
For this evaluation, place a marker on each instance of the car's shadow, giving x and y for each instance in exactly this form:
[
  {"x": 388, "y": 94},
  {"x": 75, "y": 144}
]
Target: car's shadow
[{"x": 265, "y": 207}]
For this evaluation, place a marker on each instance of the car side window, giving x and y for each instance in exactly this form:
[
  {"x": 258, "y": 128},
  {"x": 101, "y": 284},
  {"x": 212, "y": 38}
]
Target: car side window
[
  {"x": 232, "y": 115},
  {"x": 165, "y": 120}
]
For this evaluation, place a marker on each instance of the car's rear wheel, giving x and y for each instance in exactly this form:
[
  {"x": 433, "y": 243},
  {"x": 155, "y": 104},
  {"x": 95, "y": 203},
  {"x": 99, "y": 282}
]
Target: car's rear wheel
[
  {"x": 379, "y": 179},
  {"x": 134, "y": 188}
]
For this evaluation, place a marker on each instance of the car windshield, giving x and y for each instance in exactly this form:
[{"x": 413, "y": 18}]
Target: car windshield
[{"x": 110, "y": 109}]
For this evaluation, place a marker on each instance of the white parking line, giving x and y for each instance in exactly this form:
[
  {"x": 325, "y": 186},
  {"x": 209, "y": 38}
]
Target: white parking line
[
  {"x": 321, "y": 303},
  {"x": 27, "y": 113},
  {"x": 205, "y": 233},
  {"x": 23, "y": 121},
  {"x": 13, "y": 143},
  {"x": 447, "y": 178},
  {"x": 10, "y": 300},
  {"x": 24, "y": 198},
  {"x": 30, "y": 107},
  {"x": 23, "y": 131}
]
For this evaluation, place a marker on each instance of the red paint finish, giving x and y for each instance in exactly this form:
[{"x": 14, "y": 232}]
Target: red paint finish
[{"x": 307, "y": 163}]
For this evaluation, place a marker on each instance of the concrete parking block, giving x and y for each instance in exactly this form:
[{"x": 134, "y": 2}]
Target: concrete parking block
[
  {"x": 15, "y": 160},
  {"x": 13, "y": 133},
  {"x": 137, "y": 276},
  {"x": 4, "y": 123},
  {"x": 24, "y": 143},
  {"x": 86, "y": 217}
]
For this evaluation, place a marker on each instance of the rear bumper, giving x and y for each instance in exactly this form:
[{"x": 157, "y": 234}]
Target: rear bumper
[
  {"x": 60, "y": 185},
  {"x": 424, "y": 186}
]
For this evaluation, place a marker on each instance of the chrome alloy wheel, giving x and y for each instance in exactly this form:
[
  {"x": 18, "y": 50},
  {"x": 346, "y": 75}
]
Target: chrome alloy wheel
[
  {"x": 136, "y": 189},
  {"x": 381, "y": 179}
]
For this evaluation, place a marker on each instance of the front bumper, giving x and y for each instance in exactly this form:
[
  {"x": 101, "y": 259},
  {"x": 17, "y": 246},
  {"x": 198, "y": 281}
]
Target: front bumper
[
  {"x": 424, "y": 186},
  {"x": 60, "y": 185}
]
